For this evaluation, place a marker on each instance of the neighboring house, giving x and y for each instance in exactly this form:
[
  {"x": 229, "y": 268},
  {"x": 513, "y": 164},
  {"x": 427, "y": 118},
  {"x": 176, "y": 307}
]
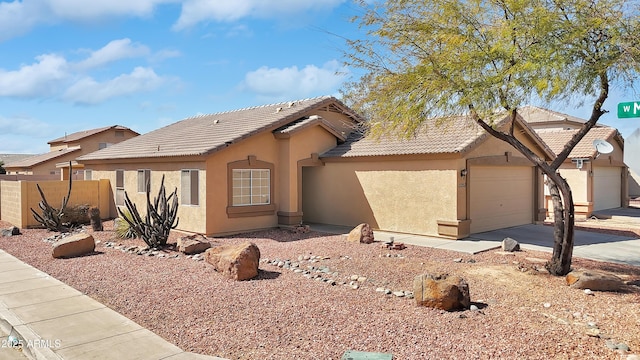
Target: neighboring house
[
  {"x": 285, "y": 163},
  {"x": 597, "y": 181},
  {"x": 68, "y": 148},
  {"x": 632, "y": 159},
  {"x": 8, "y": 158}
]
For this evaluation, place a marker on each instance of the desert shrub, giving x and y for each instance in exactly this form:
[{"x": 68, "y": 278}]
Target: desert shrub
[{"x": 122, "y": 228}]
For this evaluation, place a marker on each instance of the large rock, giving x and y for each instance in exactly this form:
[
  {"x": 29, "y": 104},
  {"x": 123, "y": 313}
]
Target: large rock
[
  {"x": 441, "y": 291},
  {"x": 594, "y": 280},
  {"x": 190, "y": 245},
  {"x": 237, "y": 262},
  {"x": 74, "y": 245},
  {"x": 361, "y": 233}
]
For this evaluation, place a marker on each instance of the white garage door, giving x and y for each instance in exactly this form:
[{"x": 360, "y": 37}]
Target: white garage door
[
  {"x": 606, "y": 187},
  {"x": 500, "y": 196}
]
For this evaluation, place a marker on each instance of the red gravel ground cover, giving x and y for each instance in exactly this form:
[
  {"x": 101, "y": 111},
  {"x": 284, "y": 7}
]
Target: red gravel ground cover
[{"x": 524, "y": 313}]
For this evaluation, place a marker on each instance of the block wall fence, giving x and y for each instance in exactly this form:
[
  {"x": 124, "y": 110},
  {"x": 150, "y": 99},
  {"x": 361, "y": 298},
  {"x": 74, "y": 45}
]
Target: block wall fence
[{"x": 18, "y": 197}]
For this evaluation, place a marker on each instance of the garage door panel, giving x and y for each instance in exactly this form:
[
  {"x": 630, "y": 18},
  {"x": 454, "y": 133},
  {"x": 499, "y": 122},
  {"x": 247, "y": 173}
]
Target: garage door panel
[
  {"x": 606, "y": 187},
  {"x": 500, "y": 197}
]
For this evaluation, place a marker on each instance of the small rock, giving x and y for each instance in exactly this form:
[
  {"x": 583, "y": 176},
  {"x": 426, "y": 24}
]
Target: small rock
[
  {"x": 593, "y": 332},
  {"x": 547, "y": 305},
  {"x": 387, "y": 291},
  {"x": 458, "y": 260},
  {"x": 380, "y": 289},
  {"x": 354, "y": 277},
  {"x": 623, "y": 347},
  {"x": 611, "y": 344},
  {"x": 361, "y": 279},
  {"x": 510, "y": 245},
  {"x": 398, "y": 293},
  {"x": 588, "y": 292}
]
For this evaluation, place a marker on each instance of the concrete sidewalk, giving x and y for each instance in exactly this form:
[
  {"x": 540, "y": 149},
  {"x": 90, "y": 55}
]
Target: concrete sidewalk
[{"x": 52, "y": 320}]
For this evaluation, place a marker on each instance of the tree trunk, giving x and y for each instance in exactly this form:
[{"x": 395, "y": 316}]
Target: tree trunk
[{"x": 564, "y": 221}]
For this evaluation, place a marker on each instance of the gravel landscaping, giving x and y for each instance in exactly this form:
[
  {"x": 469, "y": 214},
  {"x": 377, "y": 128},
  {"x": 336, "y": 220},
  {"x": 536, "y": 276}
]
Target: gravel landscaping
[{"x": 317, "y": 296}]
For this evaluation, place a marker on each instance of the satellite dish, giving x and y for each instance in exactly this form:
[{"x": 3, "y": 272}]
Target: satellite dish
[{"x": 602, "y": 146}]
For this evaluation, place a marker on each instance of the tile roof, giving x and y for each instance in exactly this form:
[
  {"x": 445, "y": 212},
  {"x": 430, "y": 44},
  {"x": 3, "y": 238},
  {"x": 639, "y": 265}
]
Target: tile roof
[
  {"x": 86, "y": 133},
  {"x": 536, "y": 115},
  {"x": 205, "y": 134},
  {"x": 556, "y": 139},
  {"x": 306, "y": 122},
  {"x": 38, "y": 159},
  {"x": 8, "y": 158},
  {"x": 454, "y": 136}
]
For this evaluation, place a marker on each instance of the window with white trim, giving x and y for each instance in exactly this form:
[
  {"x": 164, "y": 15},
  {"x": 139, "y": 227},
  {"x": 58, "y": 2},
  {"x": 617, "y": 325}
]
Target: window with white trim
[
  {"x": 189, "y": 187},
  {"x": 144, "y": 177},
  {"x": 88, "y": 174},
  {"x": 120, "y": 187},
  {"x": 251, "y": 187}
]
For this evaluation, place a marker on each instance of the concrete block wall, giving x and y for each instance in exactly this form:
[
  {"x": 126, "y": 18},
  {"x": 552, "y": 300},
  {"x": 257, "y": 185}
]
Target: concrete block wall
[{"x": 18, "y": 197}]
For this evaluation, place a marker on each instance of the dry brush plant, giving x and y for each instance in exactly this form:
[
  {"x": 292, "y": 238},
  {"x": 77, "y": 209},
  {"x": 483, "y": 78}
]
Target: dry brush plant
[{"x": 160, "y": 219}]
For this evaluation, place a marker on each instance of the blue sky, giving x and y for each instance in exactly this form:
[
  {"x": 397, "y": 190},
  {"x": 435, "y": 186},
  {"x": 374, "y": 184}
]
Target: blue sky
[{"x": 71, "y": 65}]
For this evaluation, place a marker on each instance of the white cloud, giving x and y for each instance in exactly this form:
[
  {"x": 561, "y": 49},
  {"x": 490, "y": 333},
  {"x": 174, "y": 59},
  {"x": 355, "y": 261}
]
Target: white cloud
[
  {"x": 17, "y": 18},
  {"x": 39, "y": 79},
  {"x": 96, "y": 9},
  {"x": 90, "y": 91},
  {"x": 195, "y": 11},
  {"x": 292, "y": 82},
  {"x": 23, "y": 125},
  {"x": 20, "y": 16},
  {"x": 114, "y": 51}
]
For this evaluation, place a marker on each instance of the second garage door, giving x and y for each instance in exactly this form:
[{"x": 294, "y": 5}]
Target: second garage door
[
  {"x": 500, "y": 196},
  {"x": 606, "y": 187}
]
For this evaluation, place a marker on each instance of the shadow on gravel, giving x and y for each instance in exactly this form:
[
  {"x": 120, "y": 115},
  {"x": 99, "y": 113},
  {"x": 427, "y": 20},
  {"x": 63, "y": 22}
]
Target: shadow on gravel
[
  {"x": 280, "y": 235},
  {"x": 266, "y": 275},
  {"x": 94, "y": 253}
]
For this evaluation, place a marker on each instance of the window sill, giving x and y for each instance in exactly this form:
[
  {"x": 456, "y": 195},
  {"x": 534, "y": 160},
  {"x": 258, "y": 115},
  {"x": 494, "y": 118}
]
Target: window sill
[{"x": 249, "y": 211}]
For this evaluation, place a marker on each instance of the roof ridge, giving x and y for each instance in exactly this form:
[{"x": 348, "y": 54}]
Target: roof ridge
[{"x": 323, "y": 97}]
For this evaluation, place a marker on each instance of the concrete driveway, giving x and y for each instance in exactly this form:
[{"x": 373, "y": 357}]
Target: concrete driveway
[{"x": 590, "y": 245}]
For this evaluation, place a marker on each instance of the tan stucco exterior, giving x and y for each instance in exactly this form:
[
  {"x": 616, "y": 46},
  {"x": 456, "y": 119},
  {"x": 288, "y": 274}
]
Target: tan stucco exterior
[
  {"x": 419, "y": 194},
  {"x": 284, "y": 154}
]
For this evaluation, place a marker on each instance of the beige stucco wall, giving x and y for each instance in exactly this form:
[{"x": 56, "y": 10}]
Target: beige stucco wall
[
  {"x": 284, "y": 154},
  {"x": 191, "y": 217},
  {"x": 407, "y": 196}
]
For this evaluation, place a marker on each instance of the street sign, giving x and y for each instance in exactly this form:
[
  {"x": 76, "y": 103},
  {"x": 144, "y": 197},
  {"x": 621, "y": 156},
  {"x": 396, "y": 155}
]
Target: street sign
[{"x": 629, "y": 109}]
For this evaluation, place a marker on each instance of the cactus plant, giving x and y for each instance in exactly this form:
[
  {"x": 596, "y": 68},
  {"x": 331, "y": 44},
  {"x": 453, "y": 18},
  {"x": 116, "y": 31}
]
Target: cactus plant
[
  {"x": 160, "y": 219},
  {"x": 51, "y": 218}
]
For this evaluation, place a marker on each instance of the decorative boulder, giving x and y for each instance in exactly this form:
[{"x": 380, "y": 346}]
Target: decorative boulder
[
  {"x": 74, "y": 245},
  {"x": 237, "y": 262},
  {"x": 361, "y": 233},
  {"x": 510, "y": 245},
  {"x": 441, "y": 292},
  {"x": 10, "y": 231},
  {"x": 190, "y": 245},
  {"x": 594, "y": 280}
]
